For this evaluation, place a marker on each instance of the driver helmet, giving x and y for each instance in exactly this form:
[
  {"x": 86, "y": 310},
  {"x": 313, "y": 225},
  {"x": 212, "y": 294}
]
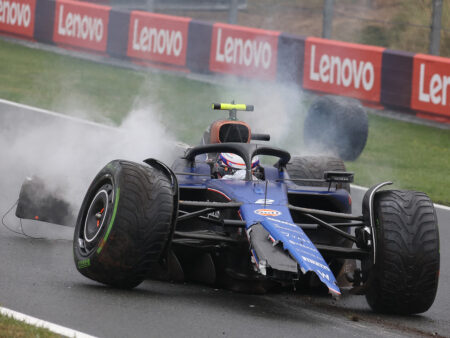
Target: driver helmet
[{"x": 232, "y": 163}]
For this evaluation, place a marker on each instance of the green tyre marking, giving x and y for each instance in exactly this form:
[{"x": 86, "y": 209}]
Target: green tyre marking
[
  {"x": 84, "y": 263},
  {"x": 116, "y": 203}
]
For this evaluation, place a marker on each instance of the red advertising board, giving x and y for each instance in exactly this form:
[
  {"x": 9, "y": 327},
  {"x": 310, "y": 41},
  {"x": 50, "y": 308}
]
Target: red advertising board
[
  {"x": 158, "y": 38},
  {"x": 431, "y": 84},
  {"x": 343, "y": 68},
  {"x": 81, "y": 24},
  {"x": 244, "y": 51},
  {"x": 17, "y": 17}
]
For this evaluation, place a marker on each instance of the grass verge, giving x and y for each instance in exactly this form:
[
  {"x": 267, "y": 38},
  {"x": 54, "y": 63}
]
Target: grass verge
[
  {"x": 413, "y": 156},
  {"x": 11, "y": 328}
]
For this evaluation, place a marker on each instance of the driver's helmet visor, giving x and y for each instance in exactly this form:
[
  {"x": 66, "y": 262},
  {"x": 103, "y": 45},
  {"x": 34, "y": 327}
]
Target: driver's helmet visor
[{"x": 232, "y": 162}]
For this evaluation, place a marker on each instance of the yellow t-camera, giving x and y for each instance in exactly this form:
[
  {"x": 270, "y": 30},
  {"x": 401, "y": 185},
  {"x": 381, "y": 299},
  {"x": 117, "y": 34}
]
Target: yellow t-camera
[{"x": 232, "y": 106}]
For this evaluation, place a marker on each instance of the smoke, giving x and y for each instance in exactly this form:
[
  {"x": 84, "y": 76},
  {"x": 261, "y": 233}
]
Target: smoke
[
  {"x": 279, "y": 109},
  {"x": 66, "y": 153}
]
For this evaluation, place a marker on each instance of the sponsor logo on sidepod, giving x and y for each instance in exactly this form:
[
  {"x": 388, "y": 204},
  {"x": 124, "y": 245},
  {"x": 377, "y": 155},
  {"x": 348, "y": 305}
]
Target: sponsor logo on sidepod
[{"x": 268, "y": 212}]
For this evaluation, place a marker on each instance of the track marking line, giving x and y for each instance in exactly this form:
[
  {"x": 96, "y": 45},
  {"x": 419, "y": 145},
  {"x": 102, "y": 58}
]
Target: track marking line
[
  {"x": 43, "y": 324},
  {"x": 364, "y": 189},
  {"x": 54, "y": 114}
]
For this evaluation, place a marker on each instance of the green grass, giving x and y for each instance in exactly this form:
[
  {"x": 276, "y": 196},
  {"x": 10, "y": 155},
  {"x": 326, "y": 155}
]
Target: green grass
[
  {"x": 413, "y": 156},
  {"x": 11, "y": 328}
]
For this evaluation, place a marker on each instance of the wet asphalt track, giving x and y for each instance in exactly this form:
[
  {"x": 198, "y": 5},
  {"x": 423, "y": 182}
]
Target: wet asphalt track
[{"x": 38, "y": 277}]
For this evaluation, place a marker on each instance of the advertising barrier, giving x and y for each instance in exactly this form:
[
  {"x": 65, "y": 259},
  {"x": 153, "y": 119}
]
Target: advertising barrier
[
  {"x": 431, "y": 84},
  {"x": 158, "y": 38},
  {"x": 413, "y": 82},
  {"x": 396, "y": 78},
  {"x": 81, "y": 25},
  {"x": 199, "y": 42},
  {"x": 343, "y": 68},
  {"x": 119, "y": 21},
  {"x": 17, "y": 17},
  {"x": 244, "y": 51},
  {"x": 44, "y": 21},
  {"x": 291, "y": 52}
]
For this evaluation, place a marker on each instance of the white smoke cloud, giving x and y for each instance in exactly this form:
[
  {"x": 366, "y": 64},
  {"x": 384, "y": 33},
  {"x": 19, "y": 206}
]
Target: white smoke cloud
[{"x": 67, "y": 155}]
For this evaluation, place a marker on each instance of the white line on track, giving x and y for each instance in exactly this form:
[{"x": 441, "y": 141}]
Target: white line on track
[
  {"x": 58, "y": 115},
  {"x": 58, "y": 329},
  {"x": 364, "y": 189}
]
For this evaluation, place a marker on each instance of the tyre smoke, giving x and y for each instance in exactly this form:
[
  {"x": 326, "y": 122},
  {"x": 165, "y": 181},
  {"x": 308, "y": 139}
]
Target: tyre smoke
[{"x": 66, "y": 152}]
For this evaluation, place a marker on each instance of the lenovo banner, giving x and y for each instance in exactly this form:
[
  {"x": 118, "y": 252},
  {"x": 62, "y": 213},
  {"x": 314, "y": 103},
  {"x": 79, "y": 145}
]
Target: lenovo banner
[
  {"x": 343, "y": 68},
  {"x": 243, "y": 51},
  {"x": 82, "y": 25},
  {"x": 17, "y": 17},
  {"x": 431, "y": 84},
  {"x": 158, "y": 38}
]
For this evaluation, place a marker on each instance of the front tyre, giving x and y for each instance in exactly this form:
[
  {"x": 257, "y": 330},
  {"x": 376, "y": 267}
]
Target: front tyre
[
  {"x": 124, "y": 224},
  {"x": 404, "y": 278}
]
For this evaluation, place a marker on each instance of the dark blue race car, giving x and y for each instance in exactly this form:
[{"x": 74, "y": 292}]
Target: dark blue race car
[{"x": 237, "y": 213}]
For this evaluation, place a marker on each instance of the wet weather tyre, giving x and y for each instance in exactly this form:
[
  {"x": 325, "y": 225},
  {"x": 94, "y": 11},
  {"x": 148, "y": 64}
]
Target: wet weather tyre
[
  {"x": 304, "y": 167},
  {"x": 404, "y": 278},
  {"x": 336, "y": 126},
  {"x": 124, "y": 224}
]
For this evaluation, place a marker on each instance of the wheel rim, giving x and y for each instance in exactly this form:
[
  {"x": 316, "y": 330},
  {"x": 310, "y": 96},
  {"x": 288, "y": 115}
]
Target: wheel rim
[{"x": 96, "y": 218}]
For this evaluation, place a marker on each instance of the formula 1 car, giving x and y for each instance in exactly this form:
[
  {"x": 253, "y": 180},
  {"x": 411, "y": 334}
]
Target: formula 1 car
[{"x": 223, "y": 214}]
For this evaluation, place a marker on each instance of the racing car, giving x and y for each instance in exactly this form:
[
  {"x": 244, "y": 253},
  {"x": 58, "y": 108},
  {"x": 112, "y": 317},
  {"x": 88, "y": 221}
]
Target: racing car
[{"x": 237, "y": 213}]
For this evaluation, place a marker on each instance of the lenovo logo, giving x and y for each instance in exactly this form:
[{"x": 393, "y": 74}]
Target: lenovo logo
[
  {"x": 244, "y": 51},
  {"x": 434, "y": 90},
  {"x": 157, "y": 41},
  {"x": 343, "y": 68},
  {"x": 15, "y": 13},
  {"x": 17, "y": 16},
  {"x": 238, "y": 51},
  {"x": 344, "y": 72},
  {"x": 158, "y": 38},
  {"x": 431, "y": 84},
  {"x": 81, "y": 24}
]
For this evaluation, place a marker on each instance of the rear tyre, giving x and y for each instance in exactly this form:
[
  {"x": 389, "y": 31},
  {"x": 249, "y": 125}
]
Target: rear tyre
[
  {"x": 304, "y": 167},
  {"x": 404, "y": 278},
  {"x": 124, "y": 224},
  {"x": 336, "y": 126}
]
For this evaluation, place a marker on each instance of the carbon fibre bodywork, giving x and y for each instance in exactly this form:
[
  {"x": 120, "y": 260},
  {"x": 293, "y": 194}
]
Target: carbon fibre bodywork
[{"x": 261, "y": 210}]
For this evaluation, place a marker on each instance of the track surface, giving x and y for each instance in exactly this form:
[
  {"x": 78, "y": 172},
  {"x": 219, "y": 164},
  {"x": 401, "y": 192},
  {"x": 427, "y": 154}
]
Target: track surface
[{"x": 38, "y": 277}]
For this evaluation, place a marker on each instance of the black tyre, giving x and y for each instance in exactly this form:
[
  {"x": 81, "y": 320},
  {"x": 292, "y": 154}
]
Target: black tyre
[
  {"x": 404, "y": 278},
  {"x": 336, "y": 126},
  {"x": 304, "y": 167},
  {"x": 124, "y": 224}
]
